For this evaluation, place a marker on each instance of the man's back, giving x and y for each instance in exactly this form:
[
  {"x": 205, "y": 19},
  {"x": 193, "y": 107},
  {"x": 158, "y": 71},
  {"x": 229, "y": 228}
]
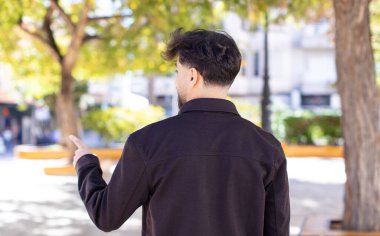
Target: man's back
[
  {"x": 210, "y": 170},
  {"x": 206, "y": 171}
]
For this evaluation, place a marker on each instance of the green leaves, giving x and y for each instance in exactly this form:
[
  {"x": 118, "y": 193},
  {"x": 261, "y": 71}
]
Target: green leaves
[
  {"x": 114, "y": 123},
  {"x": 129, "y": 35},
  {"x": 313, "y": 129},
  {"x": 34, "y": 69},
  {"x": 310, "y": 10},
  {"x": 306, "y": 10}
]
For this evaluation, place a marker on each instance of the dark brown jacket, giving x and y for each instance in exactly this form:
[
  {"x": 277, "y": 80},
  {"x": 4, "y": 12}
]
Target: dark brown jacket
[{"x": 204, "y": 172}]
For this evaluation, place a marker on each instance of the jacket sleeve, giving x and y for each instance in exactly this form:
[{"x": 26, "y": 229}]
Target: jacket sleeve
[
  {"x": 277, "y": 204},
  {"x": 109, "y": 206}
]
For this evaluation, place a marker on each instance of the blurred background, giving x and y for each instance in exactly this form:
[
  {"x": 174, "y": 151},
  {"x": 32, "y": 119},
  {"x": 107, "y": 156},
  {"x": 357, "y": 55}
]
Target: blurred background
[{"x": 93, "y": 68}]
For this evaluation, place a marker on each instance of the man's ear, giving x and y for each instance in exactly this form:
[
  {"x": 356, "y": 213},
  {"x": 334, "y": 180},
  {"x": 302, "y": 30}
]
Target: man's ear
[{"x": 194, "y": 75}]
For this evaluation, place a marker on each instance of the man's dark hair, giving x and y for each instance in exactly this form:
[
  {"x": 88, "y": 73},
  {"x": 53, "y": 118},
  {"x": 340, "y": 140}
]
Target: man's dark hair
[{"x": 213, "y": 53}]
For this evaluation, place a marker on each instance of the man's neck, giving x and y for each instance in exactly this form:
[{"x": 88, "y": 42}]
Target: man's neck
[{"x": 217, "y": 93}]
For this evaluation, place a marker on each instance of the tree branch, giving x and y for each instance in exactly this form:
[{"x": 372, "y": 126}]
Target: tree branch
[
  {"x": 77, "y": 39},
  {"x": 68, "y": 20},
  {"x": 91, "y": 37},
  {"x": 35, "y": 35},
  {"x": 50, "y": 36},
  {"x": 63, "y": 14},
  {"x": 39, "y": 37},
  {"x": 107, "y": 17}
]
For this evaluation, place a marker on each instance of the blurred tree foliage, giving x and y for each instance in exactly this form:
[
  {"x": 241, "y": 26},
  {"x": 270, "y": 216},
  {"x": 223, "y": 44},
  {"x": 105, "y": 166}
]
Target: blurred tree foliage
[
  {"x": 308, "y": 127},
  {"x": 294, "y": 10},
  {"x": 247, "y": 110},
  {"x": 313, "y": 129},
  {"x": 120, "y": 36},
  {"x": 115, "y": 123},
  {"x": 51, "y": 44}
]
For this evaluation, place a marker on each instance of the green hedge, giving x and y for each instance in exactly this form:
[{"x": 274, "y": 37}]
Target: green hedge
[
  {"x": 115, "y": 123},
  {"x": 315, "y": 129}
]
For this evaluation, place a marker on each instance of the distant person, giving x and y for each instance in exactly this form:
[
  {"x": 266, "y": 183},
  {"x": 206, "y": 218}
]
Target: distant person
[
  {"x": 3, "y": 148},
  {"x": 206, "y": 171},
  {"x": 8, "y": 139}
]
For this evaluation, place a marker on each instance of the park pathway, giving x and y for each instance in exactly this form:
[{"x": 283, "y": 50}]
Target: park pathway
[{"x": 32, "y": 203}]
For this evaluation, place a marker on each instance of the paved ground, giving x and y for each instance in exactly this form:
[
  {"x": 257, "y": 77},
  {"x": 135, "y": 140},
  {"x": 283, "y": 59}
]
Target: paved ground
[{"x": 32, "y": 203}]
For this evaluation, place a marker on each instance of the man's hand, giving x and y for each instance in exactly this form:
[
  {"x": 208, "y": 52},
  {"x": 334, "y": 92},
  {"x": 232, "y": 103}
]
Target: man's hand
[{"x": 81, "y": 151}]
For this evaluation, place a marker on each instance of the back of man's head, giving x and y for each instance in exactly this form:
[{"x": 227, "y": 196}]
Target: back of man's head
[{"x": 213, "y": 53}]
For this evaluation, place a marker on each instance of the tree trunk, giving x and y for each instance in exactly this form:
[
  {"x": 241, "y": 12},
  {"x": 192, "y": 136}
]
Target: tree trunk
[
  {"x": 66, "y": 112},
  {"x": 360, "y": 114}
]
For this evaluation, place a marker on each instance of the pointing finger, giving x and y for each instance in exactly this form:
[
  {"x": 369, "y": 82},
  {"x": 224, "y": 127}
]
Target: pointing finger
[{"x": 76, "y": 141}]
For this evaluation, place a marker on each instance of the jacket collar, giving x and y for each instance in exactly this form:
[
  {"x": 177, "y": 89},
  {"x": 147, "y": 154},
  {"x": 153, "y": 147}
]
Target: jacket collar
[{"x": 209, "y": 104}]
